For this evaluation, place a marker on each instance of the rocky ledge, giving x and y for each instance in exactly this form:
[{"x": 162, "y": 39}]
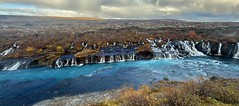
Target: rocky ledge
[
  {"x": 80, "y": 100},
  {"x": 151, "y": 49}
]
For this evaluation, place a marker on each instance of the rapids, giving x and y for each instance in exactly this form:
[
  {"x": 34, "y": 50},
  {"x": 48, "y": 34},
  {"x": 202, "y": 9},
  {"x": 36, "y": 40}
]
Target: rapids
[{"x": 31, "y": 85}]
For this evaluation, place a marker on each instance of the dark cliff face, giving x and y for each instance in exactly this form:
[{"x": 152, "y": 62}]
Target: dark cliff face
[
  {"x": 144, "y": 55},
  {"x": 213, "y": 49},
  {"x": 202, "y": 47},
  {"x": 229, "y": 49}
]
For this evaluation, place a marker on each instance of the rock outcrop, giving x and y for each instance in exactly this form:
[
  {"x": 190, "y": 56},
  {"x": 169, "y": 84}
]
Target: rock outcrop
[
  {"x": 119, "y": 53},
  {"x": 229, "y": 50}
]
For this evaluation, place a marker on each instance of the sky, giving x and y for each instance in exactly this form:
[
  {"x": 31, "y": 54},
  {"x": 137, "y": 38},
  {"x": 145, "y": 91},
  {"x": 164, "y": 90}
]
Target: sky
[{"x": 195, "y": 10}]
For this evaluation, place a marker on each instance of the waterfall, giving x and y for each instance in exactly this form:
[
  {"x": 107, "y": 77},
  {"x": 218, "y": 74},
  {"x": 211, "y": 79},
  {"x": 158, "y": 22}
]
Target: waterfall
[
  {"x": 111, "y": 59},
  {"x": 102, "y": 59},
  {"x": 164, "y": 55},
  {"x": 14, "y": 66},
  {"x": 237, "y": 52},
  {"x": 86, "y": 61},
  {"x": 192, "y": 49},
  {"x": 175, "y": 49},
  {"x": 208, "y": 48},
  {"x": 6, "y": 52},
  {"x": 119, "y": 58},
  {"x": 73, "y": 62},
  {"x": 219, "y": 53},
  {"x": 9, "y": 50},
  {"x": 67, "y": 62},
  {"x": 152, "y": 42},
  {"x": 169, "y": 55},
  {"x": 92, "y": 59},
  {"x": 159, "y": 56},
  {"x": 122, "y": 58},
  {"x": 59, "y": 63},
  {"x": 131, "y": 57},
  {"x": 198, "y": 53}
]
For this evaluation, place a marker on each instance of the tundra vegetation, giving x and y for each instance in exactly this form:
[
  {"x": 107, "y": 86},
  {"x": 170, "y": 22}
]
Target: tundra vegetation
[
  {"x": 51, "y": 38},
  {"x": 212, "y": 92}
]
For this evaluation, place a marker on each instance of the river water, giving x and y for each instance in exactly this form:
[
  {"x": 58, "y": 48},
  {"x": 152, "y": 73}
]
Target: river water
[{"x": 28, "y": 86}]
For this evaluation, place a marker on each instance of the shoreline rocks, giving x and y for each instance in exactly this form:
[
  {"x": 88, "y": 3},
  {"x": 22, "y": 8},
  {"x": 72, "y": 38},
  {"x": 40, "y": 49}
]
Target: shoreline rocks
[{"x": 80, "y": 100}]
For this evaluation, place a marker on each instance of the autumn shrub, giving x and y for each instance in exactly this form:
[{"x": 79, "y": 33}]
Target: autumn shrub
[
  {"x": 29, "y": 49},
  {"x": 144, "y": 48},
  {"x": 217, "y": 92},
  {"x": 221, "y": 90},
  {"x": 184, "y": 94},
  {"x": 40, "y": 51},
  {"x": 106, "y": 103},
  {"x": 59, "y": 49},
  {"x": 17, "y": 55},
  {"x": 131, "y": 97}
]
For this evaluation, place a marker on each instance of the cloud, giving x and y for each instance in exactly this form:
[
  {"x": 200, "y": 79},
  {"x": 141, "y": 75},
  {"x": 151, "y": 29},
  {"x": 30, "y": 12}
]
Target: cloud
[
  {"x": 185, "y": 9},
  {"x": 39, "y": 12}
]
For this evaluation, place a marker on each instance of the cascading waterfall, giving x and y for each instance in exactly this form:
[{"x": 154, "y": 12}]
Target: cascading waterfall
[
  {"x": 111, "y": 59},
  {"x": 113, "y": 53},
  {"x": 166, "y": 51},
  {"x": 190, "y": 47},
  {"x": 208, "y": 48},
  {"x": 59, "y": 63},
  {"x": 122, "y": 58},
  {"x": 171, "y": 50},
  {"x": 117, "y": 58},
  {"x": 86, "y": 60},
  {"x": 175, "y": 49},
  {"x": 9, "y": 50},
  {"x": 14, "y": 66},
  {"x": 132, "y": 57},
  {"x": 169, "y": 55},
  {"x": 102, "y": 59},
  {"x": 219, "y": 53},
  {"x": 92, "y": 59},
  {"x": 73, "y": 62},
  {"x": 67, "y": 62},
  {"x": 237, "y": 53}
]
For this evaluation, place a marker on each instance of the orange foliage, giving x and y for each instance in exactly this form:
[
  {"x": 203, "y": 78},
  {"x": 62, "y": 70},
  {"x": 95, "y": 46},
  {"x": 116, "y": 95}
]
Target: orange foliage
[{"x": 29, "y": 49}]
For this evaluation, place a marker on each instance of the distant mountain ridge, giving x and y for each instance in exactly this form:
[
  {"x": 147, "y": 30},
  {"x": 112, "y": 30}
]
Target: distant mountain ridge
[
  {"x": 84, "y": 18},
  {"x": 52, "y": 17}
]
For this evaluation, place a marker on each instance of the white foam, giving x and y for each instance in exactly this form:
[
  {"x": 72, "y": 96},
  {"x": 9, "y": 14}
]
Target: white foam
[
  {"x": 236, "y": 56},
  {"x": 9, "y": 50},
  {"x": 220, "y": 49},
  {"x": 14, "y": 66}
]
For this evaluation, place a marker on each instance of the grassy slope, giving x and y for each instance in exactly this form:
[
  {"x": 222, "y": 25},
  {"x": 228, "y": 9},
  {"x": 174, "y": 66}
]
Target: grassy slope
[{"x": 214, "y": 92}]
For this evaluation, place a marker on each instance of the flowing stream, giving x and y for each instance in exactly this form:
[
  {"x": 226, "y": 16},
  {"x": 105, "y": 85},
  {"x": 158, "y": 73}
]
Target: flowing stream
[{"x": 32, "y": 85}]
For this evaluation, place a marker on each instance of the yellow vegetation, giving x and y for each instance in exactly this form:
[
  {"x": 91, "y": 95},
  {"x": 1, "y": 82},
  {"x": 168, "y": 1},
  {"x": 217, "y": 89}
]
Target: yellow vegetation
[
  {"x": 144, "y": 48},
  {"x": 29, "y": 49},
  {"x": 40, "y": 51},
  {"x": 219, "y": 92},
  {"x": 85, "y": 53},
  {"x": 59, "y": 49}
]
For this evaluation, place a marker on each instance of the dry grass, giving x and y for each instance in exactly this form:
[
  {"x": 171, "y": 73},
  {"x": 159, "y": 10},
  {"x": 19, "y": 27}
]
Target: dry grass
[
  {"x": 214, "y": 92},
  {"x": 86, "y": 52}
]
